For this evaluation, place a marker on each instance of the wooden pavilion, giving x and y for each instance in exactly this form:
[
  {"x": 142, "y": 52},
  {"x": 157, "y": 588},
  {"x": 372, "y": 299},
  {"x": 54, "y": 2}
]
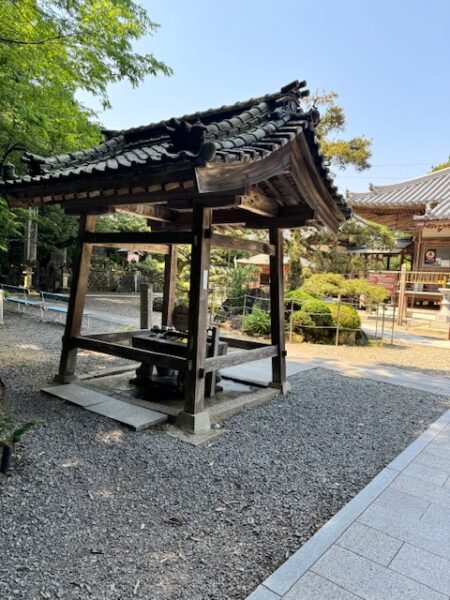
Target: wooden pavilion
[{"x": 255, "y": 164}]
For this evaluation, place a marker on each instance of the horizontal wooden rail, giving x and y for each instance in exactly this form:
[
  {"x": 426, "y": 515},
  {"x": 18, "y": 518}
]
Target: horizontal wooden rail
[
  {"x": 237, "y": 358},
  {"x": 117, "y": 336},
  {"x": 236, "y": 243},
  {"x": 243, "y": 343},
  {"x": 136, "y": 354},
  {"x": 123, "y": 238},
  {"x": 430, "y": 277}
]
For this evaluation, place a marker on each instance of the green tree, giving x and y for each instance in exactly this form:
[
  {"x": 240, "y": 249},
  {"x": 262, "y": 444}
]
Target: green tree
[
  {"x": 441, "y": 166},
  {"x": 341, "y": 153},
  {"x": 49, "y": 50}
]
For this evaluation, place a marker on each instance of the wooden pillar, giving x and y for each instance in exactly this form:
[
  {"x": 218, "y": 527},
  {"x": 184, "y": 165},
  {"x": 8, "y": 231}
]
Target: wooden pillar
[
  {"x": 80, "y": 276},
  {"x": 194, "y": 417},
  {"x": 277, "y": 310},
  {"x": 170, "y": 281}
]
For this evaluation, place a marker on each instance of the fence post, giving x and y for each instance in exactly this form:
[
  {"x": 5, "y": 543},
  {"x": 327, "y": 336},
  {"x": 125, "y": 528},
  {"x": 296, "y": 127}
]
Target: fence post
[
  {"x": 144, "y": 305},
  {"x": 150, "y": 306},
  {"x": 382, "y": 322},
  {"x": 393, "y": 324},
  {"x": 1, "y": 307},
  {"x": 401, "y": 295},
  {"x": 376, "y": 321},
  {"x": 337, "y": 320},
  {"x": 243, "y": 312},
  {"x": 291, "y": 321}
]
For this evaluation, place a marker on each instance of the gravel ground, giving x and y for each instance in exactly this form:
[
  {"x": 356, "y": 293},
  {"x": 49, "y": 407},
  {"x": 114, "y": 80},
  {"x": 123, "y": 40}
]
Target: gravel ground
[{"x": 93, "y": 510}]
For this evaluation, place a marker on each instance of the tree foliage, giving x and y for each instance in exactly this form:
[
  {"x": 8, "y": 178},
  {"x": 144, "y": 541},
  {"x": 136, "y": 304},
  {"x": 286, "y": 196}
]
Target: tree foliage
[
  {"x": 49, "y": 50},
  {"x": 341, "y": 152}
]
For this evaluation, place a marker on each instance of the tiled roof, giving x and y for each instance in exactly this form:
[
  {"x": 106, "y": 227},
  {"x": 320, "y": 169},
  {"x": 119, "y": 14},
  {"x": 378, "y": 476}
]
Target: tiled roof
[
  {"x": 245, "y": 131},
  {"x": 441, "y": 212},
  {"x": 429, "y": 189}
]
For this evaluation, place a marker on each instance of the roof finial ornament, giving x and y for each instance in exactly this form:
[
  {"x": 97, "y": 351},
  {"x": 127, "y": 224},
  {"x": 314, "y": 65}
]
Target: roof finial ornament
[
  {"x": 8, "y": 171},
  {"x": 186, "y": 136}
]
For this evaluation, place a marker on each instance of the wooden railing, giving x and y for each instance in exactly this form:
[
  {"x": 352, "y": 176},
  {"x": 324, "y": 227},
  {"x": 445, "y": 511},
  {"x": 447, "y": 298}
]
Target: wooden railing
[
  {"x": 409, "y": 279},
  {"x": 427, "y": 277}
]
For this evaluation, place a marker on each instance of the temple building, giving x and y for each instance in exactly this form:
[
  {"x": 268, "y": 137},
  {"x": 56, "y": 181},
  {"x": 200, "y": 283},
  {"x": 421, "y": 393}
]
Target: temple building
[{"x": 420, "y": 207}]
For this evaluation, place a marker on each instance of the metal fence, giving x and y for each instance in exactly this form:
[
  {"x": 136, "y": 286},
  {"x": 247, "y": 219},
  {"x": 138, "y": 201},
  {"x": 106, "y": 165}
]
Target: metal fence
[{"x": 382, "y": 315}]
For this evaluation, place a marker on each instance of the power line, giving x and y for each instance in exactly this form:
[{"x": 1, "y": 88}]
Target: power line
[
  {"x": 403, "y": 165},
  {"x": 364, "y": 177}
]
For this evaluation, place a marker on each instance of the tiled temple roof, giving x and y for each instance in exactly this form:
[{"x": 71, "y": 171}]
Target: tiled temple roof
[
  {"x": 441, "y": 212},
  {"x": 246, "y": 131},
  {"x": 429, "y": 189}
]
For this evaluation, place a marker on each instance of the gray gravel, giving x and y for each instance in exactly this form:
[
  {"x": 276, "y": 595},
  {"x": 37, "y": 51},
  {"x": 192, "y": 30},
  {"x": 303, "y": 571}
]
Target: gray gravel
[{"x": 93, "y": 510}]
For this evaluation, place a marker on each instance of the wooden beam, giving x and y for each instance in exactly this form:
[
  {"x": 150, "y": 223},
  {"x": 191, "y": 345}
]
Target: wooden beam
[
  {"x": 80, "y": 276},
  {"x": 237, "y": 358},
  {"x": 117, "y": 336},
  {"x": 236, "y": 243},
  {"x": 152, "y": 213},
  {"x": 258, "y": 204},
  {"x": 123, "y": 238},
  {"x": 130, "y": 353},
  {"x": 218, "y": 177},
  {"x": 243, "y": 343},
  {"x": 198, "y": 309},
  {"x": 170, "y": 282},
  {"x": 150, "y": 248},
  {"x": 277, "y": 310}
]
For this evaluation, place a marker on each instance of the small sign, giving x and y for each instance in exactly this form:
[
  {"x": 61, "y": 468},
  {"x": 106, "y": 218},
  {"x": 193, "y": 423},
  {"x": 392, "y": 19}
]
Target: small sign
[{"x": 430, "y": 256}]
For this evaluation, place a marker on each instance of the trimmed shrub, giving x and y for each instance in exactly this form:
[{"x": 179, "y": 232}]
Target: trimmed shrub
[
  {"x": 301, "y": 319},
  {"x": 361, "y": 287},
  {"x": 257, "y": 322},
  {"x": 323, "y": 285},
  {"x": 318, "y": 310},
  {"x": 348, "y": 316},
  {"x": 296, "y": 298}
]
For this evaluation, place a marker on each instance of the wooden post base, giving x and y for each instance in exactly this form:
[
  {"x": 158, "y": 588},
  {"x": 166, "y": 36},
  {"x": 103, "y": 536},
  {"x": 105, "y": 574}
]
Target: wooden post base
[
  {"x": 62, "y": 379},
  {"x": 284, "y": 387}
]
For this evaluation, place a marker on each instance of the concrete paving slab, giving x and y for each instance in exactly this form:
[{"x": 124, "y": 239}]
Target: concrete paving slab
[
  {"x": 427, "y": 491},
  {"x": 259, "y": 372},
  {"x": 370, "y": 580},
  {"x": 435, "y": 539},
  {"x": 436, "y": 515},
  {"x": 262, "y": 593},
  {"x": 432, "y": 460},
  {"x": 134, "y": 416},
  {"x": 76, "y": 394},
  {"x": 426, "y": 473},
  {"x": 424, "y": 567},
  {"x": 405, "y": 504},
  {"x": 314, "y": 587},
  {"x": 370, "y": 543}
]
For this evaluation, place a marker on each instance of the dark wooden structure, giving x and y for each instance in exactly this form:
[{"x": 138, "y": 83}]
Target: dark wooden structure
[{"x": 255, "y": 164}]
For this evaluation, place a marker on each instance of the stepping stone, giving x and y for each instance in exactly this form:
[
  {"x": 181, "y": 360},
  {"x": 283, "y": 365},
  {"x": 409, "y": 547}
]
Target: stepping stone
[
  {"x": 75, "y": 394},
  {"x": 136, "y": 417}
]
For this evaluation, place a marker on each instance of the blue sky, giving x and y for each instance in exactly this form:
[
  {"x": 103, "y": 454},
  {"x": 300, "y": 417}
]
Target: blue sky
[{"x": 388, "y": 60}]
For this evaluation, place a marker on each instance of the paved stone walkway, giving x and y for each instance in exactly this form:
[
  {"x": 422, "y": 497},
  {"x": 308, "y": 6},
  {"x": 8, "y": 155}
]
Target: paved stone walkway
[
  {"x": 391, "y": 542},
  {"x": 260, "y": 373}
]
